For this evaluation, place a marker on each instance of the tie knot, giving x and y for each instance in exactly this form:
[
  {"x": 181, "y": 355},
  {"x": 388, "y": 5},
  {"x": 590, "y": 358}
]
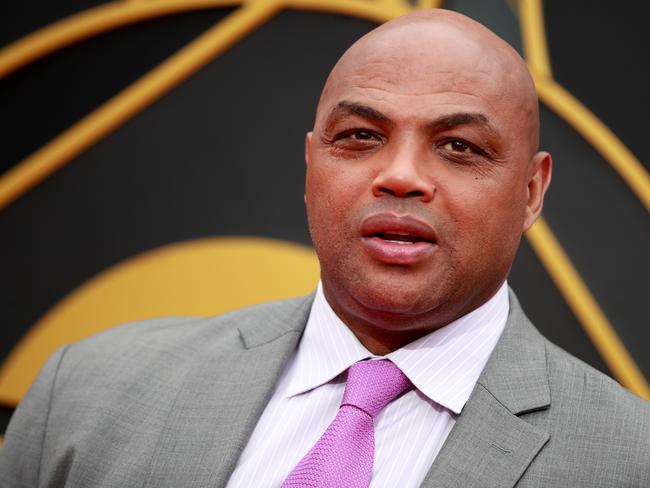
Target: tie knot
[{"x": 371, "y": 385}]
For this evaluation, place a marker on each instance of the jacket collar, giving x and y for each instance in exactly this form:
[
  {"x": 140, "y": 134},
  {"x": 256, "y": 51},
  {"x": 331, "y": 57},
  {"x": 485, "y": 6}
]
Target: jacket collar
[
  {"x": 492, "y": 444},
  {"x": 516, "y": 374}
]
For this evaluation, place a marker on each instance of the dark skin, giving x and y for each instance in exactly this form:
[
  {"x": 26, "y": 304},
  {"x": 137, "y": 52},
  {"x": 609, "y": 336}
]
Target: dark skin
[{"x": 422, "y": 174}]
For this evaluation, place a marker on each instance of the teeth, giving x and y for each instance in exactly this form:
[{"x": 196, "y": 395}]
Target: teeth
[{"x": 398, "y": 238}]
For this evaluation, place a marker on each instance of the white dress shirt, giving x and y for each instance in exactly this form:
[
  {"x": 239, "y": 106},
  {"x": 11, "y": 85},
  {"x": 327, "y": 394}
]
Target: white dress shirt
[{"x": 409, "y": 432}]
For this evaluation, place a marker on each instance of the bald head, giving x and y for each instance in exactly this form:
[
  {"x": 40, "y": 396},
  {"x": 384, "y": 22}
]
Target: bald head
[{"x": 441, "y": 49}]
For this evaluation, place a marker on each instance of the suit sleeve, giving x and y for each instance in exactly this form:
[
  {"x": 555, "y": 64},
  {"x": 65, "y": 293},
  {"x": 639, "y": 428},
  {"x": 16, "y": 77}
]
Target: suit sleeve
[{"x": 20, "y": 457}]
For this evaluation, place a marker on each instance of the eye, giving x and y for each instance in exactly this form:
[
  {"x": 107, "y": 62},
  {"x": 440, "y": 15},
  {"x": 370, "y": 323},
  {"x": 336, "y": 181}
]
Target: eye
[
  {"x": 354, "y": 142},
  {"x": 361, "y": 135},
  {"x": 458, "y": 146},
  {"x": 357, "y": 138}
]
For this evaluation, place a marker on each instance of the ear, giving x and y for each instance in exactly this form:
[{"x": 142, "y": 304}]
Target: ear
[
  {"x": 307, "y": 146},
  {"x": 539, "y": 177}
]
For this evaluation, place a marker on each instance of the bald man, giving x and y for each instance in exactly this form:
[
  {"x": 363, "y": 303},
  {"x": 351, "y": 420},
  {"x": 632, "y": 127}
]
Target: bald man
[{"x": 412, "y": 364}]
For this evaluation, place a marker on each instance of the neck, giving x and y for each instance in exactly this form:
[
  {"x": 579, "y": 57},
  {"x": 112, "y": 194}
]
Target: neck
[{"x": 383, "y": 332}]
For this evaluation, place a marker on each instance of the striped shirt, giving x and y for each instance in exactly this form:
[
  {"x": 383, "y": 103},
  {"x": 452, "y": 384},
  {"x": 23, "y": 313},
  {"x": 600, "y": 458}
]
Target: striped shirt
[{"x": 409, "y": 432}]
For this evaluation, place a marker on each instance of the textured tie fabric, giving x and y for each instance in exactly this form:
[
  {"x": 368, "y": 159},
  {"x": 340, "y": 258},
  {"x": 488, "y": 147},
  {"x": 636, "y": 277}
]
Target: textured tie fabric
[{"x": 343, "y": 456}]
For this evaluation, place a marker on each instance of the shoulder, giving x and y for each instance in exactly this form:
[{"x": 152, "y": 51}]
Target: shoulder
[
  {"x": 593, "y": 421},
  {"x": 578, "y": 386},
  {"x": 101, "y": 404},
  {"x": 152, "y": 357},
  {"x": 598, "y": 432},
  {"x": 572, "y": 382},
  {"x": 136, "y": 370},
  {"x": 146, "y": 341}
]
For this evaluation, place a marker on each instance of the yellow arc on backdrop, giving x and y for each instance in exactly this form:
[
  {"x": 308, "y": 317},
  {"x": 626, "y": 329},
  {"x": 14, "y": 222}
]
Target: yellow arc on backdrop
[{"x": 202, "y": 277}]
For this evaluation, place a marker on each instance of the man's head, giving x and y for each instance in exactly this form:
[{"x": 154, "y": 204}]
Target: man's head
[{"x": 422, "y": 174}]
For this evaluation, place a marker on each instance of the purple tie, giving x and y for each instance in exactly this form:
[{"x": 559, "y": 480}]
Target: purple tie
[{"x": 343, "y": 456}]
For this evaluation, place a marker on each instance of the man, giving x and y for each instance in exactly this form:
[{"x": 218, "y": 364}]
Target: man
[{"x": 422, "y": 174}]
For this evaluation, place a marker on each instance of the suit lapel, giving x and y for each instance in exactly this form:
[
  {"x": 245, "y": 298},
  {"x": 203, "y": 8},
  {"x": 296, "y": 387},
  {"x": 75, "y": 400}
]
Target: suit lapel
[
  {"x": 223, "y": 396},
  {"x": 492, "y": 444}
]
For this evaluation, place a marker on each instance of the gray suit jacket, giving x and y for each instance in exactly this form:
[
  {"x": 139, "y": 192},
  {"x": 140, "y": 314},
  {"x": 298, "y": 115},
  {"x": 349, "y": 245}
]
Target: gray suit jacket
[{"x": 172, "y": 402}]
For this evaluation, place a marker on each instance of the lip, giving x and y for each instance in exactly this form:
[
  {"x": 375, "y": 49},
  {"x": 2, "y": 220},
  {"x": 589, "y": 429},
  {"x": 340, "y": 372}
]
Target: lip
[{"x": 401, "y": 227}]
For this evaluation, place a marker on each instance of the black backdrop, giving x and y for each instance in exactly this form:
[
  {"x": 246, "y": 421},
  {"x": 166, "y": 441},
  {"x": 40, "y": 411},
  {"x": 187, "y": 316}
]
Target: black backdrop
[{"x": 222, "y": 154}]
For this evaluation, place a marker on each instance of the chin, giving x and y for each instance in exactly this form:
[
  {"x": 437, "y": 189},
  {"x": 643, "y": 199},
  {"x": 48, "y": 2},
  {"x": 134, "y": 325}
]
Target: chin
[{"x": 394, "y": 299}]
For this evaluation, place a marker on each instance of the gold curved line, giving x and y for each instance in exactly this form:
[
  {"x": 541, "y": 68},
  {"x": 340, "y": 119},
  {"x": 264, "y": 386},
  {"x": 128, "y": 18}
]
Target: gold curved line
[
  {"x": 376, "y": 12},
  {"x": 553, "y": 258},
  {"x": 531, "y": 17},
  {"x": 134, "y": 98},
  {"x": 429, "y": 3},
  {"x": 610, "y": 147},
  {"x": 120, "y": 13},
  {"x": 92, "y": 22},
  {"x": 586, "y": 309},
  {"x": 598, "y": 135},
  {"x": 49, "y": 158}
]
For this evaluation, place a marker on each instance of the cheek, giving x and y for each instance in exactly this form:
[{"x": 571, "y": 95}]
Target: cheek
[
  {"x": 321, "y": 193},
  {"x": 326, "y": 198},
  {"x": 487, "y": 219},
  {"x": 332, "y": 189}
]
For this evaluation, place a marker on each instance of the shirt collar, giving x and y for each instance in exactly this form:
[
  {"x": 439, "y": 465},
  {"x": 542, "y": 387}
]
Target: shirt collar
[{"x": 443, "y": 365}]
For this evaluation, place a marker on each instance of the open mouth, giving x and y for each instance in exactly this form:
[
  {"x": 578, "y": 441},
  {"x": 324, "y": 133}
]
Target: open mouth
[
  {"x": 399, "y": 238},
  {"x": 399, "y": 229}
]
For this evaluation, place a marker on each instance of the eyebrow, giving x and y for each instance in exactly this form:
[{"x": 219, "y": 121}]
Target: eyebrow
[
  {"x": 350, "y": 108},
  {"x": 462, "y": 118}
]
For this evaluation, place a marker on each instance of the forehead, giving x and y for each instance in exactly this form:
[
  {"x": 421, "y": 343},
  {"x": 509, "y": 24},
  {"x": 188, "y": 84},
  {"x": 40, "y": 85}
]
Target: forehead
[{"x": 423, "y": 69}]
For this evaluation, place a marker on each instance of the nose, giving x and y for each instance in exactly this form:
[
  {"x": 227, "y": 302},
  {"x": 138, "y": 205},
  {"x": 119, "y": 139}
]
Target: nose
[{"x": 402, "y": 178}]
